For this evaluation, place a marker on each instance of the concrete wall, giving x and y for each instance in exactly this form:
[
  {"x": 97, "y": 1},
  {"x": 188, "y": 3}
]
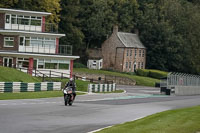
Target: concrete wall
[
  {"x": 187, "y": 90},
  {"x": 115, "y": 79}
]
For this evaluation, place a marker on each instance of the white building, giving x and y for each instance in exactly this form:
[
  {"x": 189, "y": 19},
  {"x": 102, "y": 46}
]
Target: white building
[{"x": 26, "y": 41}]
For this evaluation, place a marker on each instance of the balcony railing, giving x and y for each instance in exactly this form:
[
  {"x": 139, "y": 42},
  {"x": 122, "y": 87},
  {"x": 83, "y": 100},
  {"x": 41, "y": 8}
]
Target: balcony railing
[
  {"x": 47, "y": 49},
  {"x": 37, "y": 27}
]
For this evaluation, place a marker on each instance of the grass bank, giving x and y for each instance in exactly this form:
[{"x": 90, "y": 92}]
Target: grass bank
[
  {"x": 140, "y": 80},
  {"x": 175, "y": 121},
  {"x": 32, "y": 95},
  {"x": 13, "y": 75}
]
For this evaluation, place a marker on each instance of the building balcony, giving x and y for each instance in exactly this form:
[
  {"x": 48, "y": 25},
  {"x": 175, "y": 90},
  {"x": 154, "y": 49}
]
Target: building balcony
[
  {"x": 47, "y": 49},
  {"x": 36, "y": 27}
]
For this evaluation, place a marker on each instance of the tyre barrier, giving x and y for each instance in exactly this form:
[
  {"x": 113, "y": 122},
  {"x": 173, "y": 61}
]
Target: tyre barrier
[
  {"x": 101, "y": 87},
  {"x": 29, "y": 87}
]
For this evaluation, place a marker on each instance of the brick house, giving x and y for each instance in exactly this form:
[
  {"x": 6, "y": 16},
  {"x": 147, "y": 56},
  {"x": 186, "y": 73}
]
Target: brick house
[
  {"x": 27, "y": 41},
  {"x": 123, "y": 52}
]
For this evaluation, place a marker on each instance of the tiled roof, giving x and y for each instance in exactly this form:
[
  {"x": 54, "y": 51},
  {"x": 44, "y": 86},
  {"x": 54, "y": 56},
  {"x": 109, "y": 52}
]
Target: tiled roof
[{"x": 130, "y": 40}]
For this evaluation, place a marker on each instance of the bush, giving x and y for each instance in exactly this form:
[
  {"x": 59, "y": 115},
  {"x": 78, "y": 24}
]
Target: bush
[
  {"x": 151, "y": 73},
  {"x": 143, "y": 72},
  {"x": 79, "y": 65},
  {"x": 157, "y": 74}
]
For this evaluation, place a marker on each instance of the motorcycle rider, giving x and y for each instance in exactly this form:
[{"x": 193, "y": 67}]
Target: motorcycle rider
[{"x": 71, "y": 83}]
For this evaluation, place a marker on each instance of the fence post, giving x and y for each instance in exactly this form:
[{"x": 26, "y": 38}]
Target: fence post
[
  {"x": 43, "y": 78},
  {"x": 61, "y": 75}
]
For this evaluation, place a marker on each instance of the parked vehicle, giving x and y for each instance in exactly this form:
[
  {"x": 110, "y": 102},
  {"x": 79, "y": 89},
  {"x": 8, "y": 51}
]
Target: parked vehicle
[{"x": 68, "y": 96}]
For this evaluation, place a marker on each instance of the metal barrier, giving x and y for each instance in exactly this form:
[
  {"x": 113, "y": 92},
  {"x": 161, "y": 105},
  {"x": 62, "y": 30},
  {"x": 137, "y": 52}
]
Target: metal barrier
[
  {"x": 181, "y": 79},
  {"x": 180, "y": 84}
]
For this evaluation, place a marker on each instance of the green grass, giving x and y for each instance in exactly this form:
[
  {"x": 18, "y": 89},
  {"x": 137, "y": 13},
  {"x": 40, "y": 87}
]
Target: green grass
[
  {"x": 175, "y": 121},
  {"x": 81, "y": 85},
  {"x": 117, "y": 91},
  {"x": 32, "y": 95},
  {"x": 13, "y": 75},
  {"x": 140, "y": 80}
]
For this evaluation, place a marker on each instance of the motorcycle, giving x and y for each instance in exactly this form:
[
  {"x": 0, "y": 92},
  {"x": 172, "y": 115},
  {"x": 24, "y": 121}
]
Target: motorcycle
[{"x": 69, "y": 96}]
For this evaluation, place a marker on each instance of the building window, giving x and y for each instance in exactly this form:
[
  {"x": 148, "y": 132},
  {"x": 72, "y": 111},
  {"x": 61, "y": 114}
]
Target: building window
[
  {"x": 135, "y": 52},
  {"x": 127, "y": 52},
  {"x": 143, "y": 53},
  {"x": 8, "y": 41},
  {"x": 140, "y": 53},
  {"x": 7, "y": 19},
  {"x": 142, "y": 67},
  {"x": 129, "y": 65},
  {"x": 131, "y": 52},
  {"x": 138, "y": 65},
  {"x": 126, "y": 65}
]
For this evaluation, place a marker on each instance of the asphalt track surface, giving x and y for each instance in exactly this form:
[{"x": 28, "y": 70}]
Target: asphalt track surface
[{"x": 89, "y": 112}]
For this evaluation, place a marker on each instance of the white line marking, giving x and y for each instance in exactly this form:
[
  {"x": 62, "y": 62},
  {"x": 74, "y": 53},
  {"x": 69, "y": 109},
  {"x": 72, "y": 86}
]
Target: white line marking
[{"x": 113, "y": 125}]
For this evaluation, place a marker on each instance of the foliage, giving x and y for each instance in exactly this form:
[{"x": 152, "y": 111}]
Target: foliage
[
  {"x": 169, "y": 29},
  {"x": 79, "y": 65},
  {"x": 174, "y": 121},
  {"x": 13, "y": 75}
]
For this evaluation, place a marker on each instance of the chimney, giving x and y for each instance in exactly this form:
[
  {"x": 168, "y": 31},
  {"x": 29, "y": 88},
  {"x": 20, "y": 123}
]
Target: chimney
[
  {"x": 136, "y": 31},
  {"x": 115, "y": 29}
]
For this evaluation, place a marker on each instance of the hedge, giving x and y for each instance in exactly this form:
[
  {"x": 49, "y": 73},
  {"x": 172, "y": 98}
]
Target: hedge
[{"x": 151, "y": 73}]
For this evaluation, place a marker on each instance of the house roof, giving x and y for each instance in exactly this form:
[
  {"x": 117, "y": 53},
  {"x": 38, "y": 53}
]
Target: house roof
[
  {"x": 130, "y": 40},
  {"x": 5, "y": 10}
]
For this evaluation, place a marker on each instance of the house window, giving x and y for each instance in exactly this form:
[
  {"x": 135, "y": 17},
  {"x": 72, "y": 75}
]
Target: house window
[
  {"x": 140, "y": 53},
  {"x": 127, "y": 52},
  {"x": 126, "y": 65},
  {"x": 129, "y": 65},
  {"x": 8, "y": 41},
  {"x": 14, "y": 19},
  {"x": 143, "y": 53},
  {"x": 135, "y": 52},
  {"x": 94, "y": 63},
  {"x": 142, "y": 65},
  {"x": 138, "y": 65},
  {"x": 131, "y": 52},
  {"x": 7, "y": 19},
  {"x": 63, "y": 66}
]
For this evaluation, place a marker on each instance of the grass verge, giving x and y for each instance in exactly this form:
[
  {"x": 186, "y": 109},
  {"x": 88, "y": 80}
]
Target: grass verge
[
  {"x": 32, "y": 95},
  {"x": 174, "y": 121},
  {"x": 140, "y": 80},
  {"x": 81, "y": 85},
  {"x": 13, "y": 75},
  {"x": 117, "y": 91}
]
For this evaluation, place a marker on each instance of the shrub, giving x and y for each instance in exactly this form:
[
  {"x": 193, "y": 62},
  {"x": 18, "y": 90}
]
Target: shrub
[
  {"x": 143, "y": 72},
  {"x": 151, "y": 73},
  {"x": 79, "y": 65},
  {"x": 157, "y": 74}
]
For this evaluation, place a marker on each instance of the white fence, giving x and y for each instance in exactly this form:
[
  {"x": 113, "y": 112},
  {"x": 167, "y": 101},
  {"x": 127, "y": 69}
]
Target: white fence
[{"x": 101, "y": 87}]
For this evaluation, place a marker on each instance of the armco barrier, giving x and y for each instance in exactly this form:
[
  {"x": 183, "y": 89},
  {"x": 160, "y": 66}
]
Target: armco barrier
[
  {"x": 29, "y": 87},
  {"x": 101, "y": 87}
]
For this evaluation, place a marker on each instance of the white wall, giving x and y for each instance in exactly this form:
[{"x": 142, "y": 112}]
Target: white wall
[{"x": 95, "y": 64}]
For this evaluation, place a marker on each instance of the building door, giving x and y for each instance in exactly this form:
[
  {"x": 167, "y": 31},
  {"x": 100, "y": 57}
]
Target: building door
[
  {"x": 7, "y": 62},
  {"x": 8, "y": 21},
  {"x": 21, "y": 44}
]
